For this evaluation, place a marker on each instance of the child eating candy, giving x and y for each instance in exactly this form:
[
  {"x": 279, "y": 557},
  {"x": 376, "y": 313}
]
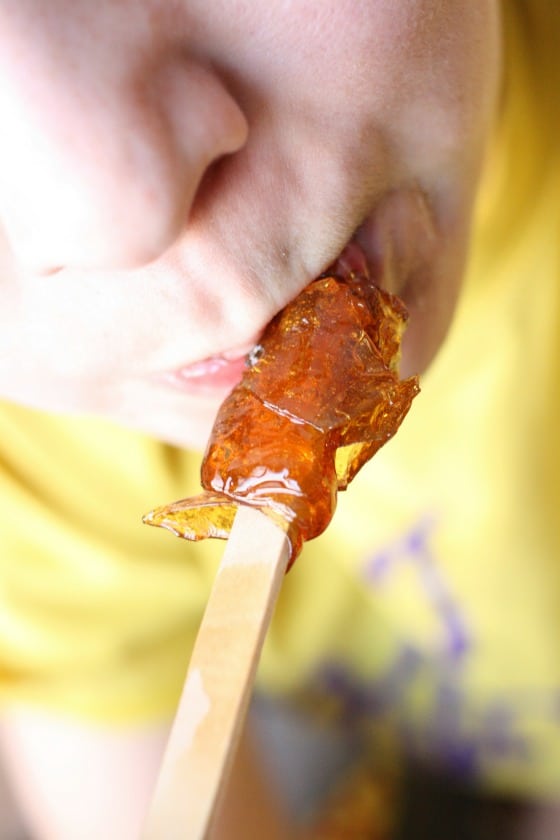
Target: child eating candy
[{"x": 172, "y": 174}]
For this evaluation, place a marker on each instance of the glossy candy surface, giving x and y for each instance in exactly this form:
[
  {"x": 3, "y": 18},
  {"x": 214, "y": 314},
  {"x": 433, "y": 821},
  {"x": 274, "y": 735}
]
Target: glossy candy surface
[{"x": 320, "y": 395}]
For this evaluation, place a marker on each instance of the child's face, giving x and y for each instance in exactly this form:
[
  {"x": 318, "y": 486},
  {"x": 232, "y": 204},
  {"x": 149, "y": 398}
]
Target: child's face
[{"x": 172, "y": 172}]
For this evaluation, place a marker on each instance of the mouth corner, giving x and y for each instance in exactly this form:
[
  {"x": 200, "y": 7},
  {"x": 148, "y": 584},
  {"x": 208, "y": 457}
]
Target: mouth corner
[
  {"x": 352, "y": 260},
  {"x": 399, "y": 238}
]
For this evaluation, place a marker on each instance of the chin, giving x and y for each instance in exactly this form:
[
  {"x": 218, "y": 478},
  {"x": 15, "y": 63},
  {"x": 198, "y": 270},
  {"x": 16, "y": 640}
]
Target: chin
[
  {"x": 189, "y": 429},
  {"x": 166, "y": 414}
]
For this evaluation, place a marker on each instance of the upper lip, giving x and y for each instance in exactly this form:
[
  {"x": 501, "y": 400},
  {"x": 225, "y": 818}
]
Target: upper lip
[{"x": 237, "y": 351}]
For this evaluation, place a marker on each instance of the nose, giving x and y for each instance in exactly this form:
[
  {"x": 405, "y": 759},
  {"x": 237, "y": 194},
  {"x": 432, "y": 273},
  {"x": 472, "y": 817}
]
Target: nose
[{"x": 100, "y": 166}]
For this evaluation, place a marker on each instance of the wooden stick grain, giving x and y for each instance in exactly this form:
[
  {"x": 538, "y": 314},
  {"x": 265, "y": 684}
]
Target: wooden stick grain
[{"x": 219, "y": 682}]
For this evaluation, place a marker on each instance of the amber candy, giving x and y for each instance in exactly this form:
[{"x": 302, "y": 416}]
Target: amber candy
[{"x": 320, "y": 395}]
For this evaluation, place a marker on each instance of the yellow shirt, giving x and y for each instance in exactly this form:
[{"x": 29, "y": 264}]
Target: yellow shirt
[{"x": 431, "y": 607}]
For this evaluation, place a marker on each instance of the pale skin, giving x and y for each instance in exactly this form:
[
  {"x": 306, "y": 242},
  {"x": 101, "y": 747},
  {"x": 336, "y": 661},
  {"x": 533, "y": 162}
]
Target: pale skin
[{"x": 172, "y": 172}]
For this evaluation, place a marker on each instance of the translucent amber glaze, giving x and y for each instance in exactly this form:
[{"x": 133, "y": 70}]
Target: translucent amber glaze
[{"x": 320, "y": 395}]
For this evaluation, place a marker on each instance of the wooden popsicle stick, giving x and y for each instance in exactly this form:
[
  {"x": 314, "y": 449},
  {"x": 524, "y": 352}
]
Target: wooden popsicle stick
[{"x": 219, "y": 681}]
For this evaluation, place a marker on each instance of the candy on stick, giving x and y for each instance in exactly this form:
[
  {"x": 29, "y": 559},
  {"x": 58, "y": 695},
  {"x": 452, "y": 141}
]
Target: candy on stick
[{"x": 320, "y": 395}]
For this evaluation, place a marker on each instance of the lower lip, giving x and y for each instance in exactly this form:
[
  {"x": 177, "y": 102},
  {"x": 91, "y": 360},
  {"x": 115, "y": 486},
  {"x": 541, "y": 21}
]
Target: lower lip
[{"x": 211, "y": 377}]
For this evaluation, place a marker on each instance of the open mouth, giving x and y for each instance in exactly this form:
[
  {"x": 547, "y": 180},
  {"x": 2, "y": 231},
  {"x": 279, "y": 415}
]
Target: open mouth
[
  {"x": 393, "y": 244},
  {"x": 218, "y": 374},
  {"x": 394, "y": 247}
]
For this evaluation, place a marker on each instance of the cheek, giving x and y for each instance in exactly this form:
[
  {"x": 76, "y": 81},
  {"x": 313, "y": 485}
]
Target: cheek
[
  {"x": 424, "y": 75},
  {"x": 56, "y": 350},
  {"x": 449, "y": 97}
]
